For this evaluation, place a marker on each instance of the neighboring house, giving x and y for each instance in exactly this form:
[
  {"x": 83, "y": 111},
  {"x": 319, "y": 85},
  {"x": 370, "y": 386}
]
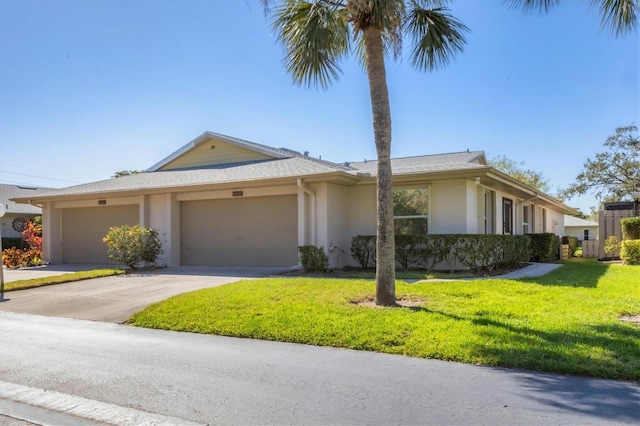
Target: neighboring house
[
  {"x": 220, "y": 200},
  {"x": 16, "y": 212},
  {"x": 583, "y": 230}
]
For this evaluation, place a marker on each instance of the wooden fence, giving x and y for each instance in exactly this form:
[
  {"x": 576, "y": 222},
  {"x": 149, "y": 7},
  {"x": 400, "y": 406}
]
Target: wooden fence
[
  {"x": 590, "y": 248},
  {"x": 608, "y": 225}
]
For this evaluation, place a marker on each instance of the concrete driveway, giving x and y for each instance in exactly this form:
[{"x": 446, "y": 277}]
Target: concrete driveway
[{"x": 115, "y": 299}]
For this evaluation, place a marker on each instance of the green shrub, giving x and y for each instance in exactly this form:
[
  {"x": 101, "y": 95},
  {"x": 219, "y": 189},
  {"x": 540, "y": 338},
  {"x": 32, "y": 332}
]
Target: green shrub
[
  {"x": 630, "y": 252},
  {"x": 313, "y": 259},
  {"x": 132, "y": 245},
  {"x": 544, "y": 247},
  {"x": 29, "y": 250},
  {"x": 363, "y": 249},
  {"x": 611, "y": 247},
  {"x": 573, "y": 244},
  {"x": 487, "y": 252},
  {"x": 630, "y": 228},
  {"x": 405, "y": 250},
  {"x": 13, "y": 243},
  {"x": 475, "y": 252}
]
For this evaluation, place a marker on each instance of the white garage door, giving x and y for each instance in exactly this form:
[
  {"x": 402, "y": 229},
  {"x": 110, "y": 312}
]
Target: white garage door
[
  {"x": 84, "y": 228},
  {"x": 260, "y": 231}
]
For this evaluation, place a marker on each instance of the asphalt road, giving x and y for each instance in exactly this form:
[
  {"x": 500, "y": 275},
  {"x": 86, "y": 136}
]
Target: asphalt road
[{"x": 128, "y": 373}]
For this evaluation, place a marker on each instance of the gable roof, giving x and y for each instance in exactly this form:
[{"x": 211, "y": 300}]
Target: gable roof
[
  {"x": 264, "y": 153},
  {"x": 213, "y": 159},
  {"x": 8, "y": 192},
  {"x": 576, "y": 221}
]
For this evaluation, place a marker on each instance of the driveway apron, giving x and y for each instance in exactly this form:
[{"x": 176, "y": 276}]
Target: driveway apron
[{"x": 115, "y": 299}]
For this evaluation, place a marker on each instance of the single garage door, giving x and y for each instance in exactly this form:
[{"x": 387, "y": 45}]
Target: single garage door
[
  {"x": 260, "y": 231},
  {"x": 84, "y": 228}
]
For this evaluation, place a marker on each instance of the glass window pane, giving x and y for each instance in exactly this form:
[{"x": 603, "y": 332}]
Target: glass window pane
[
  {"x": 410, "y": 202},
  {"x": 413, "y": 226}
]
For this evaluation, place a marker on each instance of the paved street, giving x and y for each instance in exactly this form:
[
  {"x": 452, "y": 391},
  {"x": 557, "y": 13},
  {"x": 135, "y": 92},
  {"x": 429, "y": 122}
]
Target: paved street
[
  {"x": 115, "y": 299},
  {"x": 127, "y": 373}
]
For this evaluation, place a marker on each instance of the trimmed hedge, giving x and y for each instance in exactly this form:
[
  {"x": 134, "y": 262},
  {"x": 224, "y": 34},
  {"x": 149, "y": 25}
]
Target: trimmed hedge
[
  {"x": 573, "y": 244},
  {"x": 630, "y": 252},
  {"x": 630, "y": 228},
  {"x": 8, "y": 242},
  {"x": 544, "y": 247},
  {"x": 475, "y": 252}
]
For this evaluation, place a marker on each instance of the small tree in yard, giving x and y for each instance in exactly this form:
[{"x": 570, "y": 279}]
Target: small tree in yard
[{"x": 132, "y": 245}]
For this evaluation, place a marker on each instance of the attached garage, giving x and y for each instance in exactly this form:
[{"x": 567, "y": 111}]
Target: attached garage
[
  {"x": 84, "y": 228},
  {"x": 257, "y": 231}
]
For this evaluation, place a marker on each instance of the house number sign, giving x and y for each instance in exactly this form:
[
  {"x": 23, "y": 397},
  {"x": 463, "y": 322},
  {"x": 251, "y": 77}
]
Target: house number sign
[{"x": 237, "y": 193}]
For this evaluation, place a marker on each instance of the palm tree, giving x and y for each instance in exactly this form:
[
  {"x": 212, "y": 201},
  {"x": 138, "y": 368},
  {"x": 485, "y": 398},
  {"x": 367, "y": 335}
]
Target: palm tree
[{"x": 318, "y": 34}]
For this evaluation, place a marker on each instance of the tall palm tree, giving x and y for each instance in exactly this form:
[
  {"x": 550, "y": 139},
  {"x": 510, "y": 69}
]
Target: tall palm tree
[{"x": 318, "y": 34}]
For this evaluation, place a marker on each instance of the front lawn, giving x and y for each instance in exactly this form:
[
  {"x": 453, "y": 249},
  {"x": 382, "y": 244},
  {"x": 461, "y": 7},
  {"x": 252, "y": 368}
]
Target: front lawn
[
  {"x": 565, "y": 322},
  {"x": 60, "y": 279}
]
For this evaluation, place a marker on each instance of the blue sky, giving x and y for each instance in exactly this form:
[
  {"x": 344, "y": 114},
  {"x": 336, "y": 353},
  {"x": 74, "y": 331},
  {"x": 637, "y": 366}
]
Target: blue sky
[{"x": 90, "y": 87}]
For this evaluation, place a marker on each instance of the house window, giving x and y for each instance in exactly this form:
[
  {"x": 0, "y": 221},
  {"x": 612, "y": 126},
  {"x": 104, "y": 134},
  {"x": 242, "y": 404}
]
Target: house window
[
  {"x": 411, "y": 211},
  {"x": 526, "y": 219},
  {"x": 586, "y": 235},
  {"x": 544, "y": 220},
  {"x": 507, "y": 216}
]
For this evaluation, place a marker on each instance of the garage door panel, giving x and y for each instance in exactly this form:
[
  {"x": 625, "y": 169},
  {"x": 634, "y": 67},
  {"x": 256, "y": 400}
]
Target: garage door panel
[
  {"x": 84, "y": 228},
  {"x": 258, "y": 231}
]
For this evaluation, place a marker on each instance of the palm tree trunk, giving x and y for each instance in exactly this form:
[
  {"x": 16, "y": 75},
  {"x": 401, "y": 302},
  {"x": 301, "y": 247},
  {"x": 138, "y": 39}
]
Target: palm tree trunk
[{"x": 385, "y": 248}]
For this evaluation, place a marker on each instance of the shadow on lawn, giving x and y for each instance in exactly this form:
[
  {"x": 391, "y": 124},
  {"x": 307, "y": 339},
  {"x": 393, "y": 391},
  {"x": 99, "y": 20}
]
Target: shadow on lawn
[
  {"x": 612, "y": 350},
  {"x": 575, "y": 273}
]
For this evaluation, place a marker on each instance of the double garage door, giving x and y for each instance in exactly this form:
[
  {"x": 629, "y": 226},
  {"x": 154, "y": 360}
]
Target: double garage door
[{"x": 260, "y": 231}]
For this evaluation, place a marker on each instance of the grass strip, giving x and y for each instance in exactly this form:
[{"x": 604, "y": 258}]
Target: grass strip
[
  {"x": 60, "y": 279},
  {"x": 564, "y": 322}
]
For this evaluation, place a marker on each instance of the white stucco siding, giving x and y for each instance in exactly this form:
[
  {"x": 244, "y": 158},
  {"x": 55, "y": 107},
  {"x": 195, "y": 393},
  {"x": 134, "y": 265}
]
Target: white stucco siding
[
  {"x": 556, "y": 222},
  {"x": 448, "y": 204},
  {"x": 578, "y": 232},
  {"x": 360, "y": 205},
  {"x": 163, "y": 215},
  {"x": 337, "y": 237}
]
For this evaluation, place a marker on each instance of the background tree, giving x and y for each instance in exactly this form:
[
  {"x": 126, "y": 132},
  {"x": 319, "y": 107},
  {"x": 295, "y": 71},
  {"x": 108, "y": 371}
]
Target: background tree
[
  {"x": 612, "y": 175},
  {"x": 318, "y": 34},
  {"x": 125, "y": 173},
  {"x": 517, "y": 171}
]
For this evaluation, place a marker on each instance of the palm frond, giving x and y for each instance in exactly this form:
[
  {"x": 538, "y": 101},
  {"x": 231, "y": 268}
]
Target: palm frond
[
  {"x": 315, "y": 36},
  {"x": 437, "y": 36},
  {"x": 532, "y": 5},
  {"x": 619, "y": 16}
]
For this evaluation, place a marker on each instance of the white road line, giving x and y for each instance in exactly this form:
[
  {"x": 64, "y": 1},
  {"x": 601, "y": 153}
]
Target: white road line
[{"x": 87, "y": 408}]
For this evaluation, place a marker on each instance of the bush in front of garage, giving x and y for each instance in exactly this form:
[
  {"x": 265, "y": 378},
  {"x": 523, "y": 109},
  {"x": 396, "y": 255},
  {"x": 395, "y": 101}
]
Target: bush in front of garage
[{"x": 133, "y": 245}]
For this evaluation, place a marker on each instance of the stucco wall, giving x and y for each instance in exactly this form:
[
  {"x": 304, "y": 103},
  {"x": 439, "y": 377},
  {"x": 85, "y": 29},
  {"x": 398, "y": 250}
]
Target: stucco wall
[
  {"x": 578, "y": 232},
  {"x": 449, "y": 208}
]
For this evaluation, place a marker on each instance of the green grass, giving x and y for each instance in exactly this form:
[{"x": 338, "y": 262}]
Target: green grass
[
  {"x": 60, "y": 279},
  {"x": 565, "y": 322}
]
